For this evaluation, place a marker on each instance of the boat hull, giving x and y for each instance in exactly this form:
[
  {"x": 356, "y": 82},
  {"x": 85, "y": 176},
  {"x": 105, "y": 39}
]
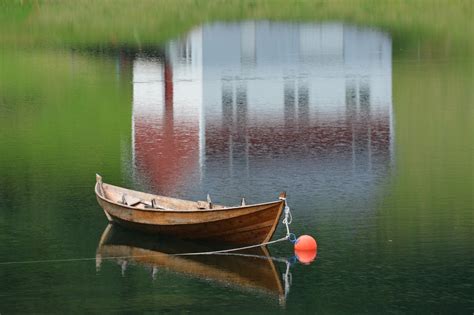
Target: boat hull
[{"x": 247, "y": 225}]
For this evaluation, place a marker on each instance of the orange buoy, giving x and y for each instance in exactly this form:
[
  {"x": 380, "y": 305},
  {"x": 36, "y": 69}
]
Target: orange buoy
[
  {"x": 306, "y": 249},
  {"x": 306, "y": 256},
  {"x": 305, "y": 243}
]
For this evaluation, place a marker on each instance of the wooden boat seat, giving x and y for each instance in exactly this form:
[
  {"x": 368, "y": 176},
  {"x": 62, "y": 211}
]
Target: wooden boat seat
[
  {"x": 130, "y": 200},
  {"x": 244, "y": 224},
  {"x": 148, "y": 201},
  {"x": 203, "y": 205}
]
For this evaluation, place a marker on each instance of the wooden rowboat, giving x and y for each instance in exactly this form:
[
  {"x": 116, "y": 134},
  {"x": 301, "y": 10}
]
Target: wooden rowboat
[
  {"x": 244, "y": 224},
  {"x": 251, "y": 270}
]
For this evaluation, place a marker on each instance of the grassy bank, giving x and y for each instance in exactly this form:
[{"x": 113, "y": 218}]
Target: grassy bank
[{"x": 441, "y": 26}]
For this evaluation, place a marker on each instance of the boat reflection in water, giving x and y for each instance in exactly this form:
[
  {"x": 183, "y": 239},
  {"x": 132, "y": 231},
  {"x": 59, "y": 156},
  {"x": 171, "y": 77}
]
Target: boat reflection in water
[{"x": 251, "y": 270}]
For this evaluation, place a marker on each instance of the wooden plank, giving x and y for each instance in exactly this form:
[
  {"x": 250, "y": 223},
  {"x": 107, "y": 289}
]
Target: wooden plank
[{"x": 249, "y": 224}]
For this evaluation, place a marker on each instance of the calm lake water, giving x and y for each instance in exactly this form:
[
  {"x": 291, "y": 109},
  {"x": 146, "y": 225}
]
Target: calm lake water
[{"x": 372, "y": 142}]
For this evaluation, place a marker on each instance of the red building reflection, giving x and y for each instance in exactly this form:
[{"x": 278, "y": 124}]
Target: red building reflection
[
  {"x": 229, "y": 95},
  {"x": 165, "y": 148}
]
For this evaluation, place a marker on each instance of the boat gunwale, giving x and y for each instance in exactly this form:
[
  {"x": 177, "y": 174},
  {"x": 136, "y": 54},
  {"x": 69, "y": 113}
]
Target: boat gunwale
[{"x": 176, "y": 210}]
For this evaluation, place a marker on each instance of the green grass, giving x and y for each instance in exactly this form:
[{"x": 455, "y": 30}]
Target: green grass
[{"x": 445, "y": 25}]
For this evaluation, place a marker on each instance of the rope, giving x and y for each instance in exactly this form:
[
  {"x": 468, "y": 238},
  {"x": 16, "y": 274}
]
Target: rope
[
  {"x": 233, "y": 249},
  {"x": 289, "y": 236},
  {"x": 286, "y": 220},
  {"x": 278, "y": 259},
  {"x": 181, "y": 254},
  {"x": 60, "y": 260}
]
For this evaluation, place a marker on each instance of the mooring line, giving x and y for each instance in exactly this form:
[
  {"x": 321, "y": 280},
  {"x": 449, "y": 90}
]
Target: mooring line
[
  {"x": 234, "y": 249},
  {"x": 225, "y": 252},
  {"x": 286, "y": 221},
  {"x": 21, "y": 262}
]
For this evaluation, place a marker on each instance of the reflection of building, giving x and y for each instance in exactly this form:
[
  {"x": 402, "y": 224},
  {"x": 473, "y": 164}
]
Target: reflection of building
[
  {"x": 166, "y": 111},
  {"x": 245, "y": 94}
]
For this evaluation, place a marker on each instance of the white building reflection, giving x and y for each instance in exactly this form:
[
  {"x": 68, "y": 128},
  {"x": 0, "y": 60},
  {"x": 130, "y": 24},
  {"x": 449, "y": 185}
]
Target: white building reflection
[{"x": 240, "y": 100}]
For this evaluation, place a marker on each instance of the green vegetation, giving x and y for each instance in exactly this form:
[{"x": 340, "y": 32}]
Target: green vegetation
[
  {"x": 59, "y": 122},
  {"x": 434, "y": 160},
  {"x": 444, "y": 26}
]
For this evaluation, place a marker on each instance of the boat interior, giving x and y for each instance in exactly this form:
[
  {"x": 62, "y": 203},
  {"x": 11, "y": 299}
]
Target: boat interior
[{"x": 142, "y": 200}]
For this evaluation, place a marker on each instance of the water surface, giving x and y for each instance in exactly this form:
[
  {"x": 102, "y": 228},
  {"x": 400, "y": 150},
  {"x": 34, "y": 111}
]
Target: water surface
[{"x": 373, "y": 146}]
